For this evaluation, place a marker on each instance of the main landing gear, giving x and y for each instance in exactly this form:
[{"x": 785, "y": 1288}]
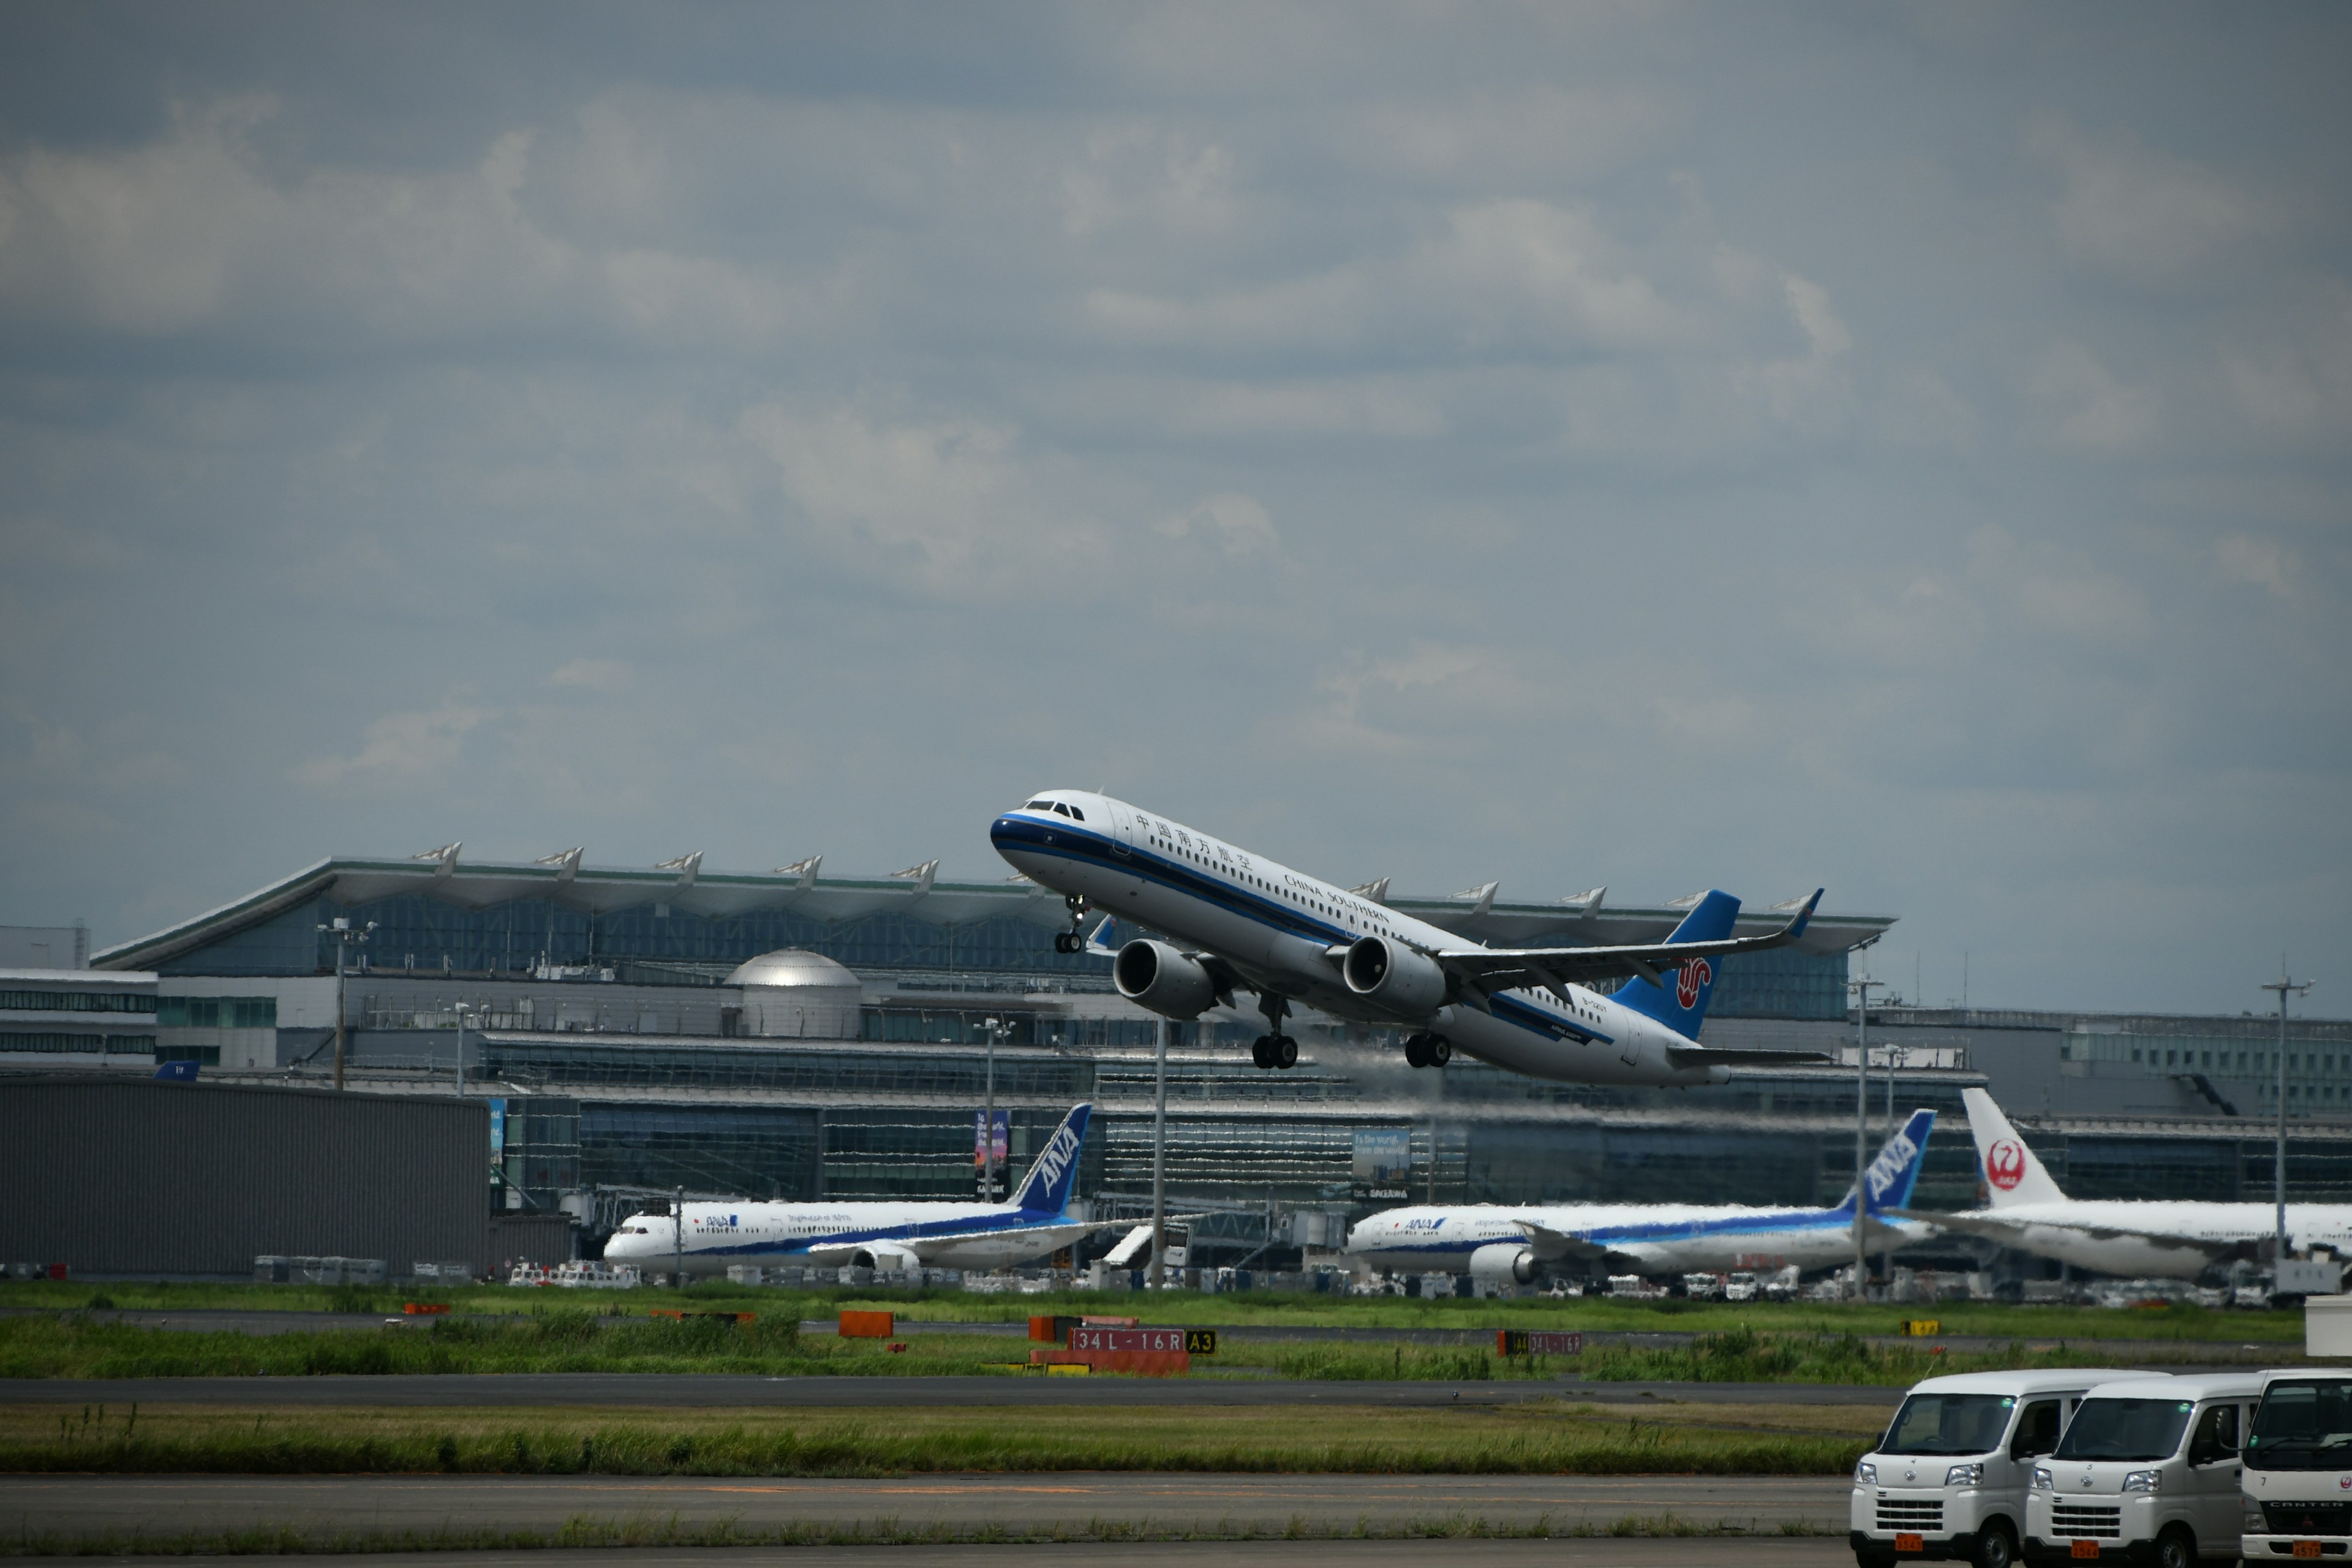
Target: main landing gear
[
  {"x": 1274, "y": 1049},
  {"x": 1427, "y": 1051},
  {"x": 1071, "y": 941}
]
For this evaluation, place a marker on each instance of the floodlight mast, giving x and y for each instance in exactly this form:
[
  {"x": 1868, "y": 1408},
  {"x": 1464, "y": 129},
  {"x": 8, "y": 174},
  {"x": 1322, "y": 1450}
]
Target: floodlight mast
[
  {"x": 1861, "y": 988},
  {"x": 345, "y": 935},
  {"x": 2283, "y": 986}
]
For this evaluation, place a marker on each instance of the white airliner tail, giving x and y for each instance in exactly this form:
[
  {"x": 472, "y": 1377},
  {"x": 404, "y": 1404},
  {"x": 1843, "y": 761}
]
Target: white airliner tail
[{"x": 2012, "y": 1175}]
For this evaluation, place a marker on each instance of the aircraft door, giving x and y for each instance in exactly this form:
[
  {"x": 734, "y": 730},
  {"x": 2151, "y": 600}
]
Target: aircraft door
[{"x": 1123, "y": 836}]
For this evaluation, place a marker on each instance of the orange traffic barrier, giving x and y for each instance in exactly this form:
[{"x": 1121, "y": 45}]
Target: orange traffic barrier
[
  {"x": 1142, "y": 1363},
  {"x": 868, "y": 1325},
  {"x": 423, "y": 1308}
]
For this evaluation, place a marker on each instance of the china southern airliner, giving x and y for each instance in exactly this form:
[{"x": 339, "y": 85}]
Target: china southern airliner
[
  {"x": 1243, "y": 921},
  {"x": 1515, "y": 1243},
  {"x": 888, "y": 1236}
]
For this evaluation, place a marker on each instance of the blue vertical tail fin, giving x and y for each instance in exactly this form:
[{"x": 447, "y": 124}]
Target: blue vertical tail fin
[
  {"x": 1681, "y": 1003},
  {"x": 1054, "y": 1172},
  {"x": 1895, "y": 1172}
]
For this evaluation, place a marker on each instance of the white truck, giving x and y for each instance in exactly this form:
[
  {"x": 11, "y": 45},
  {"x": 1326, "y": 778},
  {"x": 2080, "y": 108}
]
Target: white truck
[
  {"x": 1948, "y": 1479},
  {"x": 2296, "y": 1492},
  {"x": 2147, "y": 1472}
]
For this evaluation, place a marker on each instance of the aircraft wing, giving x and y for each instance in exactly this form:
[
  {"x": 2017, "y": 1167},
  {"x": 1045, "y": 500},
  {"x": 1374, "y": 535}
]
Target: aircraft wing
[
  {"x": 924, "y": 1246},
  {"x": 2012, "y": 1231},
  {"x": 1703, "y": 1056},
  {"x": 1553, "y": 968},
  {"x": 1551, "y": 1244}
]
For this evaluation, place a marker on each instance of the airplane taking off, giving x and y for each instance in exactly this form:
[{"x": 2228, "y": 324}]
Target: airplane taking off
[
  {"x": 1511, "y": 1244},
  {"x": 2141, "y": 1236},
  {"x": 1249, "y": 923},
  {"x": 889, "y": 1236}
]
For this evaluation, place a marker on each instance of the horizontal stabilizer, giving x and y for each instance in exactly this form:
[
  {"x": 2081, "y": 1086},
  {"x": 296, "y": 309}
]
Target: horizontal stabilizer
[{"x": 1134, "y": 1245}]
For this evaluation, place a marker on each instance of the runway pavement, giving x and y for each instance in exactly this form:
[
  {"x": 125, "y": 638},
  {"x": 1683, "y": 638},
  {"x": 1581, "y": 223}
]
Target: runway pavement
[
  {"x": 639, "y": 1389},
  {"x": 323, "y": 1507},
  {"x": 1770, "y": 1552}
]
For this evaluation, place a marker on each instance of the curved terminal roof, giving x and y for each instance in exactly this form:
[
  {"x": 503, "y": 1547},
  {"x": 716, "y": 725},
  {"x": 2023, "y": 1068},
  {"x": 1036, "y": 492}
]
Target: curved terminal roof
[{"x": 684, "y": 887}]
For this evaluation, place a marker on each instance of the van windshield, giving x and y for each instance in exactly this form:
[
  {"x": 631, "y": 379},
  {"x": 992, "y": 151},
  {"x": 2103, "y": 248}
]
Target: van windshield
[
  {"x": 2302, "y": 1426},
  {"x": 1949, "y": 1423},
  {"x": 2126, "y": 1429}
]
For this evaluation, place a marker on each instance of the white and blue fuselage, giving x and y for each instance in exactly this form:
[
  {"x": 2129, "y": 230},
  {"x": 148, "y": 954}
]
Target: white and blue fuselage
[
  {"x": 1509, "y": 1242},
  {"x": 1287, "y": 934},
  {"x": 707, "y": 1238}
]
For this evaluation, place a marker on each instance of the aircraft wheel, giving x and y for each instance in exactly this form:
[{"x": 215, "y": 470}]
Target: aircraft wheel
[
  {"x": 1261, "y": 1052},
  {"x": 1285, "y": 1053},
  {"x": 1065, "y": 942},
  {"x": 1416, "y": 1050},
  {"x": 1440, "y": 1050}
]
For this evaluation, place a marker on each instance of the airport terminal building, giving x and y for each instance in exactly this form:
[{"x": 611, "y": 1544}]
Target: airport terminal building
[{"x": 793, "y": 1035}]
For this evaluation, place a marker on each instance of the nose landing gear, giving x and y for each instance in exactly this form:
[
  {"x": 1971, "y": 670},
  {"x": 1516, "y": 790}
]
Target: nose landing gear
[
  {"x": 1071, "y": 941},
  {"x": 1425, "y": 1051}
]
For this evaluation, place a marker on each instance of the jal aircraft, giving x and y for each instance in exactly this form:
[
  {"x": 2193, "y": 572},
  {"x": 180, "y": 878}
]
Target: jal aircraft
[
  {"x": 2137, "y": 1237},
  {"x": 1245, "y": 922},
  {"x": 1514, "y": 1243},
  {"x": 887, "y": 1236}
]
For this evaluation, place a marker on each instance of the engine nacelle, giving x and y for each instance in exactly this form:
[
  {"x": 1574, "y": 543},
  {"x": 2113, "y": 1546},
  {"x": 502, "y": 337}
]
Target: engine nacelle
[
  {"x": 1504, "y": 1263},
  {"x": 885, "y": 1258},
  {"x": 1157, "y": 976},
  {"x": 1404, "y": 980}
]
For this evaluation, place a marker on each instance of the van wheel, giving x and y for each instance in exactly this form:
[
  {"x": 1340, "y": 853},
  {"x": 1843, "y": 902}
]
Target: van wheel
[
  {"x": 2175, "y": 1548},
  {"x": 1997, "y": 1548}
]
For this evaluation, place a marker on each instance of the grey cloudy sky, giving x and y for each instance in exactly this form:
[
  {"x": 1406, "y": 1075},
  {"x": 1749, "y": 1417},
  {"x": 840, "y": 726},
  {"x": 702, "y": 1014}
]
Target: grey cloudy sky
[{"x": 1898, "y": 447}]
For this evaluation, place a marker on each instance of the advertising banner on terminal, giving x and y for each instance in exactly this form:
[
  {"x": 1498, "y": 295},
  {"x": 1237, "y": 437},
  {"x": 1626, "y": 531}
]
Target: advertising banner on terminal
[
  {"x": 982, "y": 1144},
  {"x": 1383, "y": 1162}
]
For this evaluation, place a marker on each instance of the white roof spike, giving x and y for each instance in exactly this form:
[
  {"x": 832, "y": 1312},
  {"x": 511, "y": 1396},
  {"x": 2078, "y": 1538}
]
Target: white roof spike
[
  {"x": 922, "y": 876},
  {"x": 565, "y": 861},
  {"x": 1588, "y": 903},
  {"x": 1687, "y": 901},
  {"x": 447, "y": 855},
  {"x": 1484, "y": 897},
  {"x": 685, "y": 865},
  {"x": 1377, "y": 891},
  {"x": 804, "y": 869}
]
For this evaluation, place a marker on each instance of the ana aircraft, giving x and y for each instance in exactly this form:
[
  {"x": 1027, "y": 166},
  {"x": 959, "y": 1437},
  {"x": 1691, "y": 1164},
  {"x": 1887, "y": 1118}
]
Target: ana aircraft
[
  {"x": 889, "y": 1236},
  {"x": 1511, "y": 1243},
  {"x": 1247, "y": 922},
  {"x": 2153, "y": 1237}
]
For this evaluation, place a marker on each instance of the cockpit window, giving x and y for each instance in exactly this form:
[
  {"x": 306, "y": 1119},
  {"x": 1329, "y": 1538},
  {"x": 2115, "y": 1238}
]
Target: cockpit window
[
  {"x": 1039, "y": 805},
  {"x": 1060, "y": 807},
  {"x": 1076, "y": 813}
]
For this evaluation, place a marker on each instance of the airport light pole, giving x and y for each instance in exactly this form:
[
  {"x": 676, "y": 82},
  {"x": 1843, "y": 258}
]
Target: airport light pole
[
  {"x": 1861, "y": 988},
  {"x": 345, "y": 935},
  {"x": 1159, "y": 1156},
  {"x": 2283, "y": 986},
  {"x": 462, "y": 1009}
]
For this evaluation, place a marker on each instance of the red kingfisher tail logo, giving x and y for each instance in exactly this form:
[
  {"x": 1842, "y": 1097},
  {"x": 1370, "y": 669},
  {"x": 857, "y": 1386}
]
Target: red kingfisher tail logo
[
  {"x": 1694, "y": 975},
  {"x": 2005, "y": 1165}
]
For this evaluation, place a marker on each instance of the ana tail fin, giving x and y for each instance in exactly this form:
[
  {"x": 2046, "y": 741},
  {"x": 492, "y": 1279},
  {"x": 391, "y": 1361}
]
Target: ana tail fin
[
  {"x": 1681, "y": 1003},
  {"x": 2011, "y": 1173},
  {"x": 1895, "y": 1172},
  {"x": 1054, "y": 1172}
]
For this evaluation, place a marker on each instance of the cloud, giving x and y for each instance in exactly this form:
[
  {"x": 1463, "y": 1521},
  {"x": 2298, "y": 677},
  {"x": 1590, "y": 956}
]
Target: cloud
[
  {"x": 398, "y": 750},
  {"x": 2262, "y": 563},
  {"x": 606, "y": 675},
  {"x": 1237, "y": 522},
  {"x": 2148, "y": 218},
  {"x": 2086, "y": 409}
]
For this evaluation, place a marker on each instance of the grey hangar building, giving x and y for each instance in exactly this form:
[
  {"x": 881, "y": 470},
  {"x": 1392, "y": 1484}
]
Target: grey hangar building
[{"x": 794, "y": 1035}]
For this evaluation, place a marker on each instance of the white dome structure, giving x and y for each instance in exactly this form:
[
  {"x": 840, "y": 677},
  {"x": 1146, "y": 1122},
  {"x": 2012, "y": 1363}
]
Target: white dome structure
[{"x": 793, "y": 994}]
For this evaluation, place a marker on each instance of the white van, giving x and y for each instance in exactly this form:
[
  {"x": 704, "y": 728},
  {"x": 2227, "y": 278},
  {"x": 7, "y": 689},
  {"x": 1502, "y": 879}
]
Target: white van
[
  {"x": 1948, "y": 1479},
  {"x": 2147, "y": 1472},
  {"x": 2298, "y": 1488}
]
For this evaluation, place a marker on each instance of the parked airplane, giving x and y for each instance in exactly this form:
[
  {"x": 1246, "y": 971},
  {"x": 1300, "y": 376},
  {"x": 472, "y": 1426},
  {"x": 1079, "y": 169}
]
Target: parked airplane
[
  {"x": 891, "y": 1236},
  {"x": 1249, "y": 923},
  {"x": 2139, "y": 1236},
  {"x": 1513, "y": 1242}
]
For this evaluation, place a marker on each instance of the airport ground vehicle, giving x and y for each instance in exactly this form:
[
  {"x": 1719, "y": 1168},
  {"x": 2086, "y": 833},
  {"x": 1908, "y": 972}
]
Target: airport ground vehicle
[
  {"x": 1950, "y": 1478},
  {"x": 2296, "y": 1492},
  {"x": 2146, "y": 1471}
]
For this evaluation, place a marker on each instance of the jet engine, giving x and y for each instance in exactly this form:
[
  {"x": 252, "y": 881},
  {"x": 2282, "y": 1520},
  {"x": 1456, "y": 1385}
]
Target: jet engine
[
  {"x": 1162, "y": 979},
  {"x": 1504, "y": 1263},
  {"x": 885, "y": 1258},
  {"x": 1402, "y": 980}
]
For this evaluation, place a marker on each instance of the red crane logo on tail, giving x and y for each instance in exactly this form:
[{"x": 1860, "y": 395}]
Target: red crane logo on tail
[
  {"x": 2005, "y": 1165},
  {"x": 1693, "y": 973}
]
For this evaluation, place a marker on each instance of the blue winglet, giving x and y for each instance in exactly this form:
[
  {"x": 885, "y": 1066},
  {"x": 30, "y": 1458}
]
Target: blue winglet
[{"x": 1805, "y": 916}]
